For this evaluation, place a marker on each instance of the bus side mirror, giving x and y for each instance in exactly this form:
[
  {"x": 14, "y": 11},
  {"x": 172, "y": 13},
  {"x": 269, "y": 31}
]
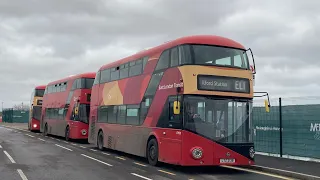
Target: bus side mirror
[
  {"x": 176, "y": 107},
  {"x": 266, "y": 104},
  {"x": 76, "y": 110}
]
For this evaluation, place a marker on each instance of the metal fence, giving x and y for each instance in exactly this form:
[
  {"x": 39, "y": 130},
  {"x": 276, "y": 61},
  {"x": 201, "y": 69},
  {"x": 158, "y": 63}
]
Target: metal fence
[
  {"x": 299, "y": 119},
  {"x": 15, "y": 116}
]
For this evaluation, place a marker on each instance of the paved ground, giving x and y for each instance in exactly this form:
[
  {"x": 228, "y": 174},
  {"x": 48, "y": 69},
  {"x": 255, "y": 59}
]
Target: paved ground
[
  {"x": 311, "y": 168},
  {"x": 25, "y": 155}
]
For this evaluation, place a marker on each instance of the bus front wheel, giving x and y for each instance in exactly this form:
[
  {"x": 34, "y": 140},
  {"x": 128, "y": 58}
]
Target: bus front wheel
[
  {"x": 67, "y": 134},
  {"x": 152, "y": 152}
]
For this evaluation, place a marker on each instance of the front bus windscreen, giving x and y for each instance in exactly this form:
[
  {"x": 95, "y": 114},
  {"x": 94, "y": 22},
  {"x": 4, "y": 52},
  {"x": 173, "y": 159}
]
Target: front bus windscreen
[
  {"x": 220, "y": 56},
  {"x": 39, "y": 92},
  {"x": 222, "y": 120}
]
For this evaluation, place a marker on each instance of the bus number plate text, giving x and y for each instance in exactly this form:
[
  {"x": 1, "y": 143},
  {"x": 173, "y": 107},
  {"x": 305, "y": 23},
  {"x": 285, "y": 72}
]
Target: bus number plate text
[{"x": 227, "y": 160}]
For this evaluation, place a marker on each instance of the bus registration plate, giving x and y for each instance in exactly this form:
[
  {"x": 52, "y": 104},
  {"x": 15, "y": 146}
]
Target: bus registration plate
[{"x": 227, "y": 160}]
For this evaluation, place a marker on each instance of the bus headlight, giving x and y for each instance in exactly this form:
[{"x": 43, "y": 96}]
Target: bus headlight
[
  {"x": 197, "y": 153},
  {"x": 34, "y": 125},
  {"x": 83, "y": 132},
  {"x": 251, "y": 152}
]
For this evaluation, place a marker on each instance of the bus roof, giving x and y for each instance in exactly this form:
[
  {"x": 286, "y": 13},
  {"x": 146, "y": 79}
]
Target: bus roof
[
  {"x": 196, "y": 39},
  {"x": 83, "y": 75},
  {"x": 41, "y": 87}
]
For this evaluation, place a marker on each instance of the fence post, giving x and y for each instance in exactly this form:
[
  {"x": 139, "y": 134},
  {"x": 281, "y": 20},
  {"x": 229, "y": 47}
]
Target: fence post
[{"x": 280, "y": 119}]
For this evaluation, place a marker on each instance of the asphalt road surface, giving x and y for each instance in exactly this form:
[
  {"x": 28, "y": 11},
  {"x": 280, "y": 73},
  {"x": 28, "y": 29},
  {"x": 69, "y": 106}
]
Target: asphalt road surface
[{"x": 31, "y": 156}]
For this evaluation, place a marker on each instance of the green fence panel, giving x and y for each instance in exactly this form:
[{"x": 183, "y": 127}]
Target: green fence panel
[
  {"x": 7, "y": 115},
  {"x": 301, "y": 130},
  {"x": 266, "y": 130},
  {"x": 20, "y": 116},
  {"x": 15, "y": 116}
]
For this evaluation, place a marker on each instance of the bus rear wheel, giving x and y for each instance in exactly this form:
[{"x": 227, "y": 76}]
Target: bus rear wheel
[
  {"x": 45, "y": 132},
  {"x": 100, "y": 140},
  {"x": 152, "y": 152}
]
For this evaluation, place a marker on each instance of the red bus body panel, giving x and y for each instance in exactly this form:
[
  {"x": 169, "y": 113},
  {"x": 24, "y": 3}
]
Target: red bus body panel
[{"x": 35, "y": 125}]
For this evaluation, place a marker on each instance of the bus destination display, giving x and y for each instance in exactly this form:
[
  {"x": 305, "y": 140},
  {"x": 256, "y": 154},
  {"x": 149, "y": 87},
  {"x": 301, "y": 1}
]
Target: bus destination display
[{"x": 220, "y": 83}]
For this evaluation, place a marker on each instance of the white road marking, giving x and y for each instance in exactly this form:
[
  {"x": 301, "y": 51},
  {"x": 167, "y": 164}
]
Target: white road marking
[
  {"x": 288, "y": 171},
  {"x": 93, "y": 150},
  {"x": 41, "y": 139},
  {"x": 258, "y": 172},
  {"x": 10, "y": 158},
  {"x": 106, "y": 153},
  {"x": 140, "y": 176},
  {"x": 96, "y": 160},
  {"x": 74, "y": 144},
  {"x": 0, "y": 147},
  {"x": 29, "y": 135},
  {"x": 23, "y": 177},
  {"x": 82, "y": 146},
  {"x": 64, "y": 147},
  {"x": 140, "y": 164}
]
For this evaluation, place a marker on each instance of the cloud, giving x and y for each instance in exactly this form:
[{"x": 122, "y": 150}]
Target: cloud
[{"x": 42, "y": 41}]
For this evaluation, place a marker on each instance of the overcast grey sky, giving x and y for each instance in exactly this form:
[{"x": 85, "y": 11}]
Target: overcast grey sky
[{"x": 44, "y": 40}]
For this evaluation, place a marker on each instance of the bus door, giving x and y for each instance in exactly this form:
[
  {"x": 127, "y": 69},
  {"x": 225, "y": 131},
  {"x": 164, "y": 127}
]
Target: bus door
[{"x": 170, "y": 134}]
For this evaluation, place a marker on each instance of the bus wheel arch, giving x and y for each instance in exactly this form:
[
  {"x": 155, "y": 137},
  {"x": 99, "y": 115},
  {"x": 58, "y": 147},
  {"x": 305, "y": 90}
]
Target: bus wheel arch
[
  {"x": 152, "y": 150},
  {"x": 100, "y": 139}
]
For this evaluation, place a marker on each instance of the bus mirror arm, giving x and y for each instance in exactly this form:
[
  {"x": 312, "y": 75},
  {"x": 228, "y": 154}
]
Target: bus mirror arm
[
  {"x": 264, "y": 94},
  {"x": 266, "y": 102},
  {"x": 254, "y": 64},
  {"x": 178, "y": 90}
]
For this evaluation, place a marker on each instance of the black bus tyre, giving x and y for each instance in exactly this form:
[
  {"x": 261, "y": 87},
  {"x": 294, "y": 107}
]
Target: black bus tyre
[
  {"x": 100, "y": 140},
  {"x": 45, "y": 132},
  {"x": 152, "y": 152},
  {"x": 67, "y": 134}
]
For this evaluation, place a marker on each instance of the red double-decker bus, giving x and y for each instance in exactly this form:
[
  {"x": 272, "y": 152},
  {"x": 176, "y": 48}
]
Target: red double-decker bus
[
  {"x": 186, "y": 102},
  {"x": 35, "y": 108},
  {"x": 66, "y": 107}
]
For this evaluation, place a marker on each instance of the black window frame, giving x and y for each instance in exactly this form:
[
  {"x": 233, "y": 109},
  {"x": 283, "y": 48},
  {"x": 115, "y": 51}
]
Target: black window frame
[
  {"x": 124, "y": 71},
  {"x": 112, "y": 114},
  {"x": 178, "y": 57},
  {"x": 103, "y": 119},
  {"x": 160, "y": 60},
  {"x": 105, "y": 76},
  {"x": 115, "y": 74}
]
